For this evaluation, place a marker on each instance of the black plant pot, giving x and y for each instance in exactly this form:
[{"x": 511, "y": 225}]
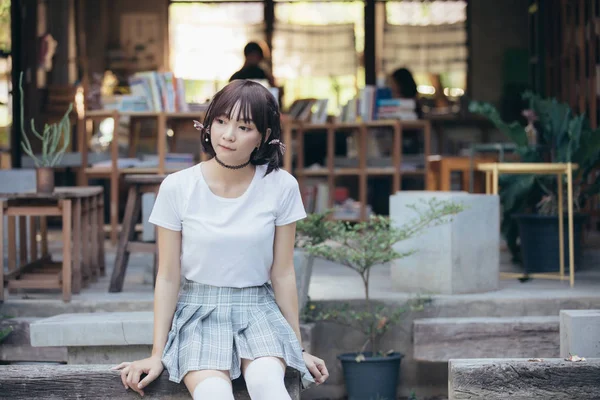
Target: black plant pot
[
  {"x": 539, "y": 241},
  {"x": 375, "y": 378}
]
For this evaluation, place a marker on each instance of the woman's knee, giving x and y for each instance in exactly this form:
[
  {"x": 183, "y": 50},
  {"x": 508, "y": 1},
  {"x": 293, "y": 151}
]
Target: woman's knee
[
  {"x": 209, "y": 384},
  {"x": 265, "y": 378}
]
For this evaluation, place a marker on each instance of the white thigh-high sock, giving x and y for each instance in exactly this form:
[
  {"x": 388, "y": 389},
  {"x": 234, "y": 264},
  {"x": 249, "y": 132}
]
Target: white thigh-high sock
[
  {"x": 213, "y": 388},
  {"x": 264, "y": 380}
]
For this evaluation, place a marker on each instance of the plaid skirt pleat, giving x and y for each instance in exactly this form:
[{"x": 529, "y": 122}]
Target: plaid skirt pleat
[{"x": 215, "y": 327}]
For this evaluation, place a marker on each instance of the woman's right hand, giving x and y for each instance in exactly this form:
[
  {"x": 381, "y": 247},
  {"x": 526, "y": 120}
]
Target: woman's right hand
[{"x": 131, "y": 372}]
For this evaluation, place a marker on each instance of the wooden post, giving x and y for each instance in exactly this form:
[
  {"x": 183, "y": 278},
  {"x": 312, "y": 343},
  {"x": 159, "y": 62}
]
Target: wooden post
[
  {"x": 77, "y": 276},
  {"x": 114, "y": 182},
  {"x": 66, "y": 264}
]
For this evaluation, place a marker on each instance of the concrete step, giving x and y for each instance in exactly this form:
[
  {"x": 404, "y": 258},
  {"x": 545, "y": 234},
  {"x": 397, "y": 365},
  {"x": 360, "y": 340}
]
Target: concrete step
[
  {"x": 16, "y": 347},
  {"x": 493, "y": 379},
  {"x": 111, "y": 338},
  {"x": 20, "y": 382},
  {"x": 441, "y": 339},
  {"x": 108, "y": 337}
]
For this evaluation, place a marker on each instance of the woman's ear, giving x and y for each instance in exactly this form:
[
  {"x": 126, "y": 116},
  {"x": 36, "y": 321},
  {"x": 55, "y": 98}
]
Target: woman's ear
[{"x": 267, "y": 135}]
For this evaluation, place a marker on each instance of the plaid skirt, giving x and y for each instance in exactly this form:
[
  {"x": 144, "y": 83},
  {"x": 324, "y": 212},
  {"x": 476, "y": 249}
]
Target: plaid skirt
[{"x": 215, "y": 327}]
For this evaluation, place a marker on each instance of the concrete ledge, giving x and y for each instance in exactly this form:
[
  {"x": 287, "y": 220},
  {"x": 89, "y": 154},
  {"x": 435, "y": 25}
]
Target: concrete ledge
[
  {"x": 94, "y": 329},
  {"x": 99, "y": 382},
  {"x": 493, "y": 379},
  {"x": 580, "y": 333},
  {"x": 103, "y": 338},
  {"x": 441, "y": 339}
]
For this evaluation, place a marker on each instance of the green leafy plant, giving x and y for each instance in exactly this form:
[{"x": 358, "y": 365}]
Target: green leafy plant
[
  {"x": 362, "y": 246},
  {"x": 6, "y": 331},
  {"x": 50, "y": 136},
  {"x": 550, "y": 132},
  {"x": 313, "y": 230}
]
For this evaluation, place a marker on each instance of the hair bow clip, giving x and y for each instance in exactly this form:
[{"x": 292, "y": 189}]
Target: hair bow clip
[
  {"x": 280, "y": 143},
  {"x": 198, "y": 125}
]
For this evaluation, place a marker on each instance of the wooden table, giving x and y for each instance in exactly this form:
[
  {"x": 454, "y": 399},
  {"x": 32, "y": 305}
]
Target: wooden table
[
  {"x": 493, "y": 171},
  {"x": 439, "y": 176},
  {"x": 138, "y": 185},
  {"x": 82, "y": 212}
]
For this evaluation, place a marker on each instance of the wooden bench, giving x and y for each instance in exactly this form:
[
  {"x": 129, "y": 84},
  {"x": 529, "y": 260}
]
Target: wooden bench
[
  {"x": 25, "y": 382},
  {"x": 494, "y": 379},
  {"x": 442, "y": 339},
  {"x": 81, "y": 210}
]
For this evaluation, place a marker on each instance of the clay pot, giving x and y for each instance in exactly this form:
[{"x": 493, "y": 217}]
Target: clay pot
[{"x": 45, "y": 179}]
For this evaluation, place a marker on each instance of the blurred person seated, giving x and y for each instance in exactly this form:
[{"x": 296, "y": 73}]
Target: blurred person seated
[
  {"x": 254, "y": 67},
  {"x": 403, "y": 85}
]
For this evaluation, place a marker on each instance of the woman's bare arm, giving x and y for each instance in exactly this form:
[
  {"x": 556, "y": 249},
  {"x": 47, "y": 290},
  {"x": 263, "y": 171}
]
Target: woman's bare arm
[
  {"x": 283, "y": 279},
  {"x": 165, "y": 300},
  {"x": 283, "y": 276},
  {"x": 167, "y": 286}
]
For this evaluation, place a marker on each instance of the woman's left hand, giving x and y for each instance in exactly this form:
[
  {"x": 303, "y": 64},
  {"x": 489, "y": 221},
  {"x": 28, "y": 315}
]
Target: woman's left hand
[{"x": 317, "y": 368}]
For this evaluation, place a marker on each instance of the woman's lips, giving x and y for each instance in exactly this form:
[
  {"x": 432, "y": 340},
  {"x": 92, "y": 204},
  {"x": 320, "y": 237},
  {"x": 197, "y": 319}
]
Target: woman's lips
[{"x": 226, "y": 148}]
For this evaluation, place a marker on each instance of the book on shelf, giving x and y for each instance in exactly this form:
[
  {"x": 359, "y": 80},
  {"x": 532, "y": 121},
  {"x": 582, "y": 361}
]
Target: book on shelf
[
  {"x": 162, "y": 91},
  {"x": 376, "y": 103},
  {"x": 309, "y": 110}
]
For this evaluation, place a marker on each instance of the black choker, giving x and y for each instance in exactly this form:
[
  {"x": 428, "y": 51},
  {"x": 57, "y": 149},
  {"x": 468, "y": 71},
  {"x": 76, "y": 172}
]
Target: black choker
[{"x": 231, "y": 166}]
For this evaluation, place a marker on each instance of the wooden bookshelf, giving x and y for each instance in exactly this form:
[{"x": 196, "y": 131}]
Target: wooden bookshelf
[
  {"x": 113, "y": 172},
  {"x": 362, "y": 171}
]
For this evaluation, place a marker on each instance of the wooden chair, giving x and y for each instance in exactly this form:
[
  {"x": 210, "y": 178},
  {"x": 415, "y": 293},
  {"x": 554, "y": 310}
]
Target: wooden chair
[{"x": 139, "y": 184}]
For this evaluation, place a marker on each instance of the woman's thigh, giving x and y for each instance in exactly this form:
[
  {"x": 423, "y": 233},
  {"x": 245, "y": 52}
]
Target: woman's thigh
[
  {"x": 193, "y": 378},
  {"x": 246, "y": 362}
]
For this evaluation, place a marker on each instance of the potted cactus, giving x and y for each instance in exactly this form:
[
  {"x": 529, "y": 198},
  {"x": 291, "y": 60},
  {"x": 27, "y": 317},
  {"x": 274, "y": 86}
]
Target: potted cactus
[{"x": 51, "y": 153}]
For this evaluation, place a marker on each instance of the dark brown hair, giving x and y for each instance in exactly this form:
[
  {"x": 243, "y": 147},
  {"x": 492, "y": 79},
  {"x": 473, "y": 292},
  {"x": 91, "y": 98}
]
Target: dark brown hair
[{"x": 256, "y": 103}]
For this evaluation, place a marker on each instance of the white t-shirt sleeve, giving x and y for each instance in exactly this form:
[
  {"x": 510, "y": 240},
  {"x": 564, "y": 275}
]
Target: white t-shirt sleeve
[
  {"x": 291, "y": 208},
  {"x": 166, "y": 211}
]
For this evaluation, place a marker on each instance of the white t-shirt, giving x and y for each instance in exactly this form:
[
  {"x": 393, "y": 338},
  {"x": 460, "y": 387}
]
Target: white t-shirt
[{"x": 227, "y": 241}]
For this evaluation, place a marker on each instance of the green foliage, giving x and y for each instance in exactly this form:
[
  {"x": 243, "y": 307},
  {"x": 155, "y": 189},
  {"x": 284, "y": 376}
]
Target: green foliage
[
  {"x": 561, "y": 136},
  {"x": 373, "y": 322},
  {"x": 313, "y": 230},
  {"x": 50, "y": 137},
  {"x": 6, "y": 331},
  {"x": 363, "y": 245}
]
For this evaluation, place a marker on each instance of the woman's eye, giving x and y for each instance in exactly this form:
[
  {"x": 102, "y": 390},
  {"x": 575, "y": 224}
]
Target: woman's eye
[
  {"x": 220, "y": 121},
  {"x": 244, "y": 128}
]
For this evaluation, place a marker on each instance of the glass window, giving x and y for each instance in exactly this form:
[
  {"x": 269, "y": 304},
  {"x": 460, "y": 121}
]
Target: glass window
[
  {"x": 316, "y": 50},
  {"x": 5, "y": 75},
  {"x": 430, "y": 39},
  {"x": 207, "y": 43}
]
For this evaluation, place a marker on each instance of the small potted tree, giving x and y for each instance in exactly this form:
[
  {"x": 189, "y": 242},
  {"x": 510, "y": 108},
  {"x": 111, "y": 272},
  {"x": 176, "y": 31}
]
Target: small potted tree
[
  {"x": 50, "y": 137},
  {"x": 311, "y": 231},
  {"x": 372, "y": 372}
]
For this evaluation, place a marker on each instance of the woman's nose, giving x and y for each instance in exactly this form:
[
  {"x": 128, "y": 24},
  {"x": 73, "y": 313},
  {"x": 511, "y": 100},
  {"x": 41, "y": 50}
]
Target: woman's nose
[{"x": 229, "y": 132}]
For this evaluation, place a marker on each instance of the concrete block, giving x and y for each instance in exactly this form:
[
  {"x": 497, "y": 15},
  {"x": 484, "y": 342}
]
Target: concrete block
[
  {"x": 21, "y": 180},
  {"x": 303, "y": 266},
  {"x": 94, "y": 329},
  {"x": 441, "y": 339},
  {"x": 494, "y": 379},
  {"x": 148, "y": 230},
  {"x": 580, "y": 333},
  {"x": 462, "y": 256}
]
